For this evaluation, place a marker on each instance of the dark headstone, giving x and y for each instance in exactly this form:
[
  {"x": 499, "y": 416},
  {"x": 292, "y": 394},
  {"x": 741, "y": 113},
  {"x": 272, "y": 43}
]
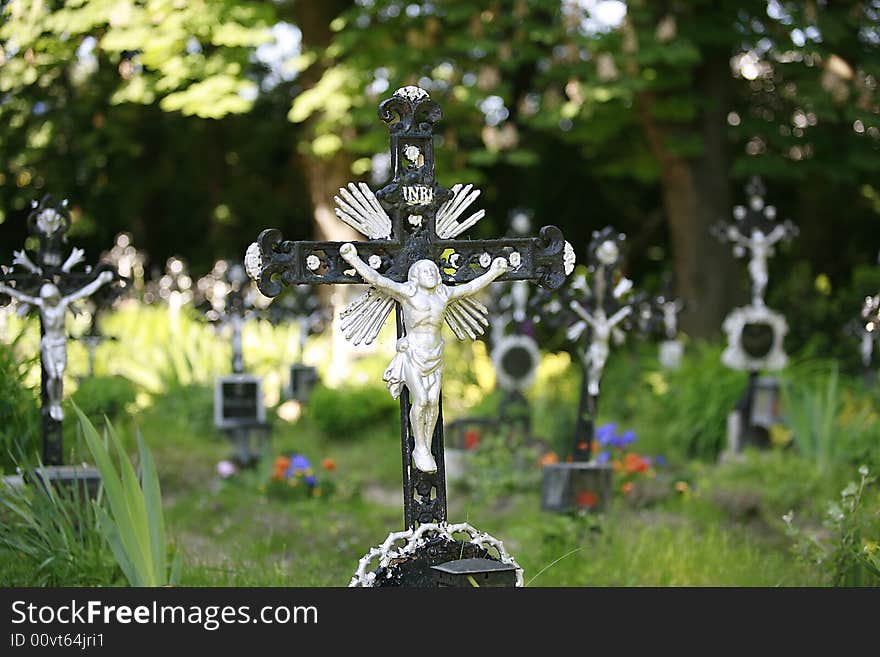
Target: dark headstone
[{"x": 238, "y": 402}]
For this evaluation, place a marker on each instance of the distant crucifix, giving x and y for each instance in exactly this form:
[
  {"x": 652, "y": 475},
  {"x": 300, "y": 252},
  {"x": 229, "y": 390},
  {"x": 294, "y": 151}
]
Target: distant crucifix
[
  {"x": 756, "y": 232},
  {"x": 602, "y": 309},
  {"x": 52, "y": 284},
  {"x": 412, "y": 262}
]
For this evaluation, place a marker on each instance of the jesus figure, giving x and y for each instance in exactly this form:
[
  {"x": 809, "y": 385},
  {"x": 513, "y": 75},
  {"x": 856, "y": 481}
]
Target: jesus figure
[
  {"x": 53, "y": 345},
  {"x": 418, "y": 363}
]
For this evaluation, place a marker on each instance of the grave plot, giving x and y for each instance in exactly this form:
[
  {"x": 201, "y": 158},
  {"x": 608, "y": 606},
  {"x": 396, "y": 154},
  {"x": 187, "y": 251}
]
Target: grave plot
[{"x": 755, "y": 333}]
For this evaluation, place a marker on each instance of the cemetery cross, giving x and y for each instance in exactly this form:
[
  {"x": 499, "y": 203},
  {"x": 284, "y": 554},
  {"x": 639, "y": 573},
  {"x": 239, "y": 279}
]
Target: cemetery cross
[
  {"x": 601, "y": 313},
  {"x": 52, "y": 283},
  {"x": 414, "y": 264}
]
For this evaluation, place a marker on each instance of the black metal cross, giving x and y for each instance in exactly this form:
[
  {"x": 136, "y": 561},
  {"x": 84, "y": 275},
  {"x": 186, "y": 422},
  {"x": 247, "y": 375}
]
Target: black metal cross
[
  {"x": 50, "y": 221},
  {"x": 567, "y": 309},
  {"x": 409, "y": 219}
]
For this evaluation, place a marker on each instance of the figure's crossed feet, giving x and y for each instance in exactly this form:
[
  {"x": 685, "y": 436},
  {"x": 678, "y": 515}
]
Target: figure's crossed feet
[{"x": 424, "y": 461}]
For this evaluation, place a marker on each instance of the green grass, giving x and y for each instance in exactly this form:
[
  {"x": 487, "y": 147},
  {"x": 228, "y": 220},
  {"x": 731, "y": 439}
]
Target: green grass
[{"x": 726, "y": 530}]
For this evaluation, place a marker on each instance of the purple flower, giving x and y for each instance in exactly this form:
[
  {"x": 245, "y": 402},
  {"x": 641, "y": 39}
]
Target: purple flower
[
  {"x": 311, "y": 480},
  {"x": 226, "y": 469},
  {"x": 603, "y": 457},
  {"x": 299, "y": 462},
  {"x": 660, "y": 460},
  {"x": 606, "y": 434},
  {"x": 627, "y": 438}
]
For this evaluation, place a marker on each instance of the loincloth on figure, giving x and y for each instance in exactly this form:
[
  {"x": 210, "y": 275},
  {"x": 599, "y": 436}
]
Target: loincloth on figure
[
  {"x": 424, "y": 364},
  {"x": 54, "y": 352}
]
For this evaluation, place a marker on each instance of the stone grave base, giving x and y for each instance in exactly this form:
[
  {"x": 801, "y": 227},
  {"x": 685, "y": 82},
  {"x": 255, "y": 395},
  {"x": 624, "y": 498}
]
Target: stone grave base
[
  {"x": 577, "y": 486},
  {"x": 432, "y": 556},
  {"x": 303, "y": 378},
  {"x": 62, "y": 477}
]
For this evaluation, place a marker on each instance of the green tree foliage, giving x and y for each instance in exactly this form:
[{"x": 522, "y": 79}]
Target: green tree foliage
[{"x": 158, "y": 117}]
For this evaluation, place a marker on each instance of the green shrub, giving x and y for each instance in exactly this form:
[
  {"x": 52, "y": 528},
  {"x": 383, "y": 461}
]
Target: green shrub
[
  {"x": 50, "y": 537},
  {"x": 833, "y": 421},
  {"x": 104, "y": 395},
  {"x": 847, "y": 552},
  {"x": 19, "y": 413},
  {"x": 133, "y": 522},
  {"x": 189, "y": 407},
  {"x": 677, "y": 413},
  {"x": 346, "y": 412}
]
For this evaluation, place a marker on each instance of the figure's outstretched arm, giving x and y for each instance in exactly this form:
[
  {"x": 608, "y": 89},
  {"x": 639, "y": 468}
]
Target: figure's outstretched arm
[
  {"x": 18, "y": 296},
  {"x": 21, "y": 258},
  {"x": 583, "y": 314},
  {"x": 397, "y": 291},
  {"x": 76, "y": 256},
  {"x": 91, "y": 288},
  {"x": 498, "y": 268},
  {"x": 619, "y": 316},
  {"x": 777, "y": 234},
  {"x": 737, "y": 237}
]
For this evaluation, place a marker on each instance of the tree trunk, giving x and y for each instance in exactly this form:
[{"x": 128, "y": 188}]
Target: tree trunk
[
  {"x": 696, "y": 195},
  {"x": 324, "y": 175}
]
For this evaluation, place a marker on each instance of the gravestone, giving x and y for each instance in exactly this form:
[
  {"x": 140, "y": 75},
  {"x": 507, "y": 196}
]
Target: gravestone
[
  {"x": 227, "y": 299},
  {"x": 51, "y": 281},
  {"x": 597, "y": 315},
  {"x": 415, "y": 266},
  {"x": 660, "y": 314},
  {"x": 755, "y": 333}
]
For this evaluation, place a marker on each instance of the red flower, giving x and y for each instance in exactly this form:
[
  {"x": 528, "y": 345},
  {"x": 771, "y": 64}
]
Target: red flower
[
  {"x": 586, "y": 498},
  {"x": 328, "y": 464},
  {"x": 471, "y": 439},
  {"x": 632, "y": 462}
]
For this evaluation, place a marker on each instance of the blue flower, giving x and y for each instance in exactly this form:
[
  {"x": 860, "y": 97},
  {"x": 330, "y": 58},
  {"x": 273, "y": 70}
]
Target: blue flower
[
  {"x": 660, "y": 460},
  {"x": 311, "y": 480},
  {"x": 606, "y": 434},
  {"x": 627, "y": 438},
  {"x": 603, "y": 457},
  {"x": 299, "y": 462}
]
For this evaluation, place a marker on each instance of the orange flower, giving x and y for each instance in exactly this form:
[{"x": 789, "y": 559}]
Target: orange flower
[
  {"x": 627, "y": 487},
  {"x": 280, "y": 468},
  {"x": 548, "y": 458},
  {"x": 594, "y": 446},
  {"x": 586, "y": 499},
  {"x": 617, "y": 465},
  {"x": 328, "y": 464},
  {"x": 632, "y": 462},
  {"x": 471, "y": 439}
]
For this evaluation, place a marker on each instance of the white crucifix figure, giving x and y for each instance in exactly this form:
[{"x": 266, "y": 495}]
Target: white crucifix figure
[
  {"x": 671, "y": 308},
  {"x": 418, "y": 364},
  {"x": 604, "y": 328},
  {"x": 760, "y": 246},
  {"x": 53, "y": 345}
]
